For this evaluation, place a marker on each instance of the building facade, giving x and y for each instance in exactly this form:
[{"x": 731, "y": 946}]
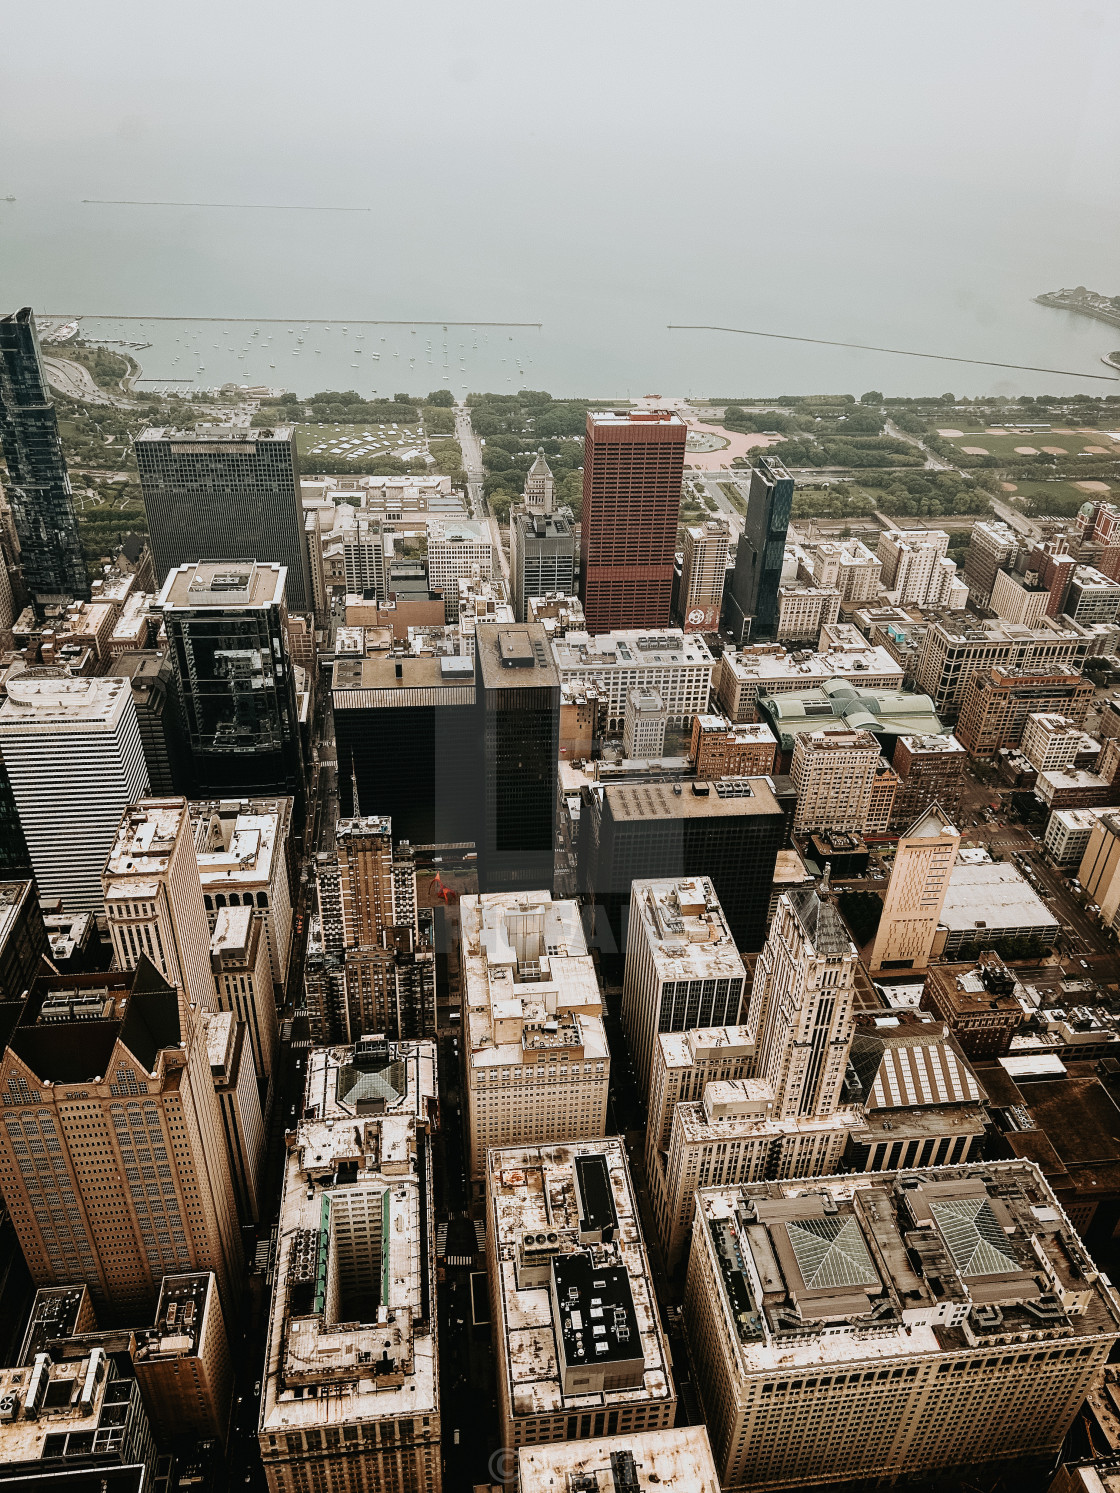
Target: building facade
[
  {"x": 703, "y": 574},
  {"x": 996, "y": 702},
  {"x": 677, "y": 666},
  {"x": 834, "y": 773},
  {"x": 916, "y": 891},
  {"x": 752, "y": 607}
]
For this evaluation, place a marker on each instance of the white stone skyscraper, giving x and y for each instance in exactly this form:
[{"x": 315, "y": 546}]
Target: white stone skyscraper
[{"x": 801, "y": 1005}]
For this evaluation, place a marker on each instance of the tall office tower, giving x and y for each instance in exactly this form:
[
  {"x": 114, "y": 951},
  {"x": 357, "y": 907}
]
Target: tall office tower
[
  {"x": 538, "y": 1064},
  {"x": 680, "y": 1457},
  {"x": 682, "y": 967},
  {"x": 801, "y": 1005},
  {"x": 386, "y": 941},
  {"x": 632, "y": 468},
  {"x": 996, "y": 702},
  {"x": 1056, "y": 567},
  {"x": 915, "y": 894},
  {"x": 1093, "y": 597},
  {"x": 238, "y": 1092},
  {"x": 542, "y": 557},
  {"x": 225, "y": 493},
  {"x": 563, "y": 1240},
  {"x": 518, "y": 729},
  {"x": 351, "y": 1386},
  {"x": 155, "y": 695},
  {"x": 458, "y": 549},
  {"x": 244, "y": 860},
  {"x": 74, "y": 757},
  {"x": 363, "y": 542},
  {"x": 406, "y": 731},
  {"x": 730, "y": 832},
  {"x": 930, "y": 770},
  {"x": 39, "y": 491},
  {"x": 112, "y": 1161},
  {"x": 753, "y": 602},
  {"x": 992, "y": 547},
  {"x": 23, "y": 938},
  {"x": 227, "y": 629},
  {"x": 1019, "y": 598},
  {"x": 153, "y": 897},
  {"x": 183, "y": 1363},
  {"x": 643, "y": 730},
  {"x": 243, "y": 980},
  {"x": 834, "y": 772},
  {"x": 15, "y": 858},
  {"x": 703, "y": 574},
  {"x": 891, "y": 1325}
]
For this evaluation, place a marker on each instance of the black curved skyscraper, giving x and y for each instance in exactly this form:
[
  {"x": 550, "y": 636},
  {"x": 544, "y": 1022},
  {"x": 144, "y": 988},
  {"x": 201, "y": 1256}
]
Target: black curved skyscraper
[{"x": 39, "y": 490}]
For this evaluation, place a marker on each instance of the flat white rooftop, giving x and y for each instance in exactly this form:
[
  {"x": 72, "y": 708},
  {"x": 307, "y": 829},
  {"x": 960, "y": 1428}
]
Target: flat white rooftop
[
  {"x": 672, "y": 1461},
  {"x": 994, "y": 896}
]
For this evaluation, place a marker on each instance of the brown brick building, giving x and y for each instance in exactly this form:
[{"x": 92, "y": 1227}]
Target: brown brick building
[
  {"x": 632, "y": 467},
  {"x": 721, "y": 750},
  {"x": 930, "y": 770},
  {"x": 978, "y": 1002},
  {"x": 997, "y": 701}
]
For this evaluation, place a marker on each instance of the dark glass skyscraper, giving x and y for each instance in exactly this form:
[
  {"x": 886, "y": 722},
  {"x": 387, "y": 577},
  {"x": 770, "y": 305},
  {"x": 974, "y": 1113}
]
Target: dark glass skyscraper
[
  {"x": 225, "y": 493},
  {"x": 753, "y": 603},
  {"x": 15, "y": 858},
  {"x": 39, "y": 492},
  {"x": 518, "y": 699}
]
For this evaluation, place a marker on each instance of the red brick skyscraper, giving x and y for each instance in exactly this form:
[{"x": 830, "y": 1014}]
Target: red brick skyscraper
[{"x": 632, "y": 466}]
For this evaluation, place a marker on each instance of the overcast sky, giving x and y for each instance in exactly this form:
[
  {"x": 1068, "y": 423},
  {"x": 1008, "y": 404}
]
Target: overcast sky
[{"x": 261, "y": 97}]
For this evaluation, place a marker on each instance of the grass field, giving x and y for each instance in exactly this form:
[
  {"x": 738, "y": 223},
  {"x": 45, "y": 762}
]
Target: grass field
[
  {"x": 1058, "y": 498},
  {"x": 1004, "y": 446},
  {"x": 403, "y": 441}
]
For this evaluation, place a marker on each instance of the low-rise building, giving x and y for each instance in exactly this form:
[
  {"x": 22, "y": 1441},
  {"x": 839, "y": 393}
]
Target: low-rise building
[
  {"x": 1067, "y": 834},
  {"x": 538, "y": 1064},
  {"x": 720, "y": 750},
  {"x": 350, "y": 1395},
  {"x": 988, "y": 903},
  {"x": 996, "y": 702},
  {"x": 677, "y": 1460},
  {"x": 891, "y": 1324},
  {"x": 981, "y": 1004},
  {"x": 578, "y": 1339},
  {"x": 1074, "y": 788}
]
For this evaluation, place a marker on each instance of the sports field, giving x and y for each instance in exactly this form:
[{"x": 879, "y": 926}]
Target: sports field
[
  {"x": 1014, "y": 446},
  {"x": 403, "y": 441}
]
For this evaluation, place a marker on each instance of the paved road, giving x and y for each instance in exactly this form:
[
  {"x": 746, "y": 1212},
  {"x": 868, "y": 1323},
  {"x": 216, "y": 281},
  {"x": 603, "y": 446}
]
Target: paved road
[
  {"x": 711, "y": 483},
  {"x": 472, "y": 465},
  {"x": 934, "y": 463},
  {"x": 76, "y": 382}
]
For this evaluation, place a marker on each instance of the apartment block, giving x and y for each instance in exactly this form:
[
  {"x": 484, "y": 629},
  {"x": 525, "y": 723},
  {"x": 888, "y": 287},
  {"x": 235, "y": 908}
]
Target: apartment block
[
  {"x": 703, "y": 574},
  {"x": 679, "y": 1459},
  {"x": 153, "y": 897},
  {"x": 243, "y": 849},
  {"x": 956, "y": 647},
  {"x": 803, "y": 610},
  {"x": 995, "y": 703},
  {"x": 682, "y": 969},
  {"x": 350, "y": 1396},
  {"x": 237, "y": 1089},
  {"x": 538, "y": 1064},
  {"x": 677, "y": 665},
  {"x": 720, "y": 750},
  {"x": 849, "y": 566},
  {"x": 1067, "y": 834},
  {"x": 1092, "y": 597},
  {"x": 112, "y": 1162},
  {"x": 930, "y": 770},
  {"x": 457, "y": 549},
  {"x": 579, "y": 1348},
  {"x": 917, "y": 571},
  {"x": 992, "y": 547},
  {"x": 243, "y": 978},
  {"x": 916, "y": 892},
  {"x": 183, "y": 1363},
  {"x": 1050, "y": 741},
  {"x": 834, "y": 772},
  {"x": 73, "y": 756},
  {"x": 1021, "y": 599},
  {"x": 829, "y": 1317}
]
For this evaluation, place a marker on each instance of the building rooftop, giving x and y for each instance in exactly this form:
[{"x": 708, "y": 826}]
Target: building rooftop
[
  {"x": 77, "y": 1402},
  {"x": 529, "y": 980},
  {"x": 992, "y": 895},
  {"x": 238, "y": 840},
  {"x": 889, "y": 713},
  {"x": 430, "y": 672},
  {"x": 352, "y": 1320},
  {"x": 630, "y": 650},
  {"x": 907, "y": 1059},
  {"x": 180, "y": 1317},
  {"x": 13, "y": 895},
  {"x": 685, "y": 929},
  {"x": 722, "y": 798},
  {"x": 738, "y": 1107},
  {"x": 63, "y": 704},
  {"x": 772, "y": 663},
  {"x": 703, "y": 1043},
  {"x": 231, "y": 942},
  {"x": 887, "y": 1265},
  {"x": 536, "y": 1191},
  {"x": 671, "y": 1461},
  {"x": 204, "y": 435},
  {"x": 223, "y": 584},
  {"x": 634, "y": 417},
  {"x": 145, "y": 839}
]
